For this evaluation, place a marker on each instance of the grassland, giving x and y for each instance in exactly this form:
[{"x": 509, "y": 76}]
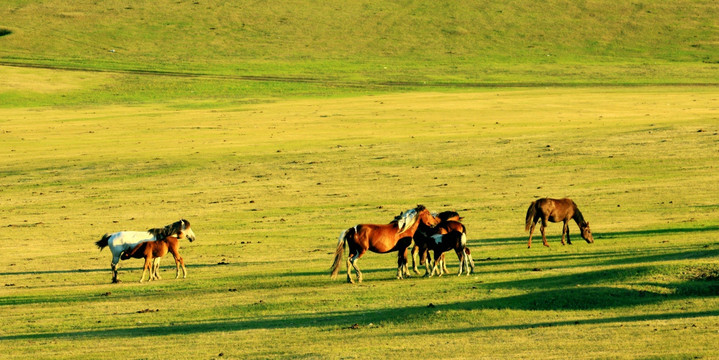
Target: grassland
[
  {"x": 272, "y": 128},
  {"x": 269, "y": 187}
]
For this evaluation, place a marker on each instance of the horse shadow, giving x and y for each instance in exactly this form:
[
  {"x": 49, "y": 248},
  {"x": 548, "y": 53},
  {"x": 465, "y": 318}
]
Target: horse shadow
[
  {"x": 558, "y": 293},
  {"x": 605, "y": 235}
]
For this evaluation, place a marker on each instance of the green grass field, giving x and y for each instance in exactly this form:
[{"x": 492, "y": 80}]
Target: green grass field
[{"x": 273, "y": 128}]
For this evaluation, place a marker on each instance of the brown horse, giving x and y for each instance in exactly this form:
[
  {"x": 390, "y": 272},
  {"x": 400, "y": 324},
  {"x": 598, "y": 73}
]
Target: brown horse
[
  {"x": 395, "y": 236},
  {"x": 556, "y": 210},
  {"x": 153, "y": 251}
]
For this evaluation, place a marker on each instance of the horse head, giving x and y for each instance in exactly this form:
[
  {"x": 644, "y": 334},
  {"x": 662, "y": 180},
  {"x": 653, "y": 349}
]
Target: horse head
[
  {"x": 186, "y": 231},
  {"x": 587, "y": 233},
  {"x": 179, "y": 229},
  {"x": 426, "y": 217}
]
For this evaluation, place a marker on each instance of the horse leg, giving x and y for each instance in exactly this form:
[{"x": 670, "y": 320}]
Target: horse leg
[
  {"x": 114, "y": 265},
  {"x": 460, "y": 256},
  {"x": 564, "y": 230},
  {"x": 179, "y": 261},
  {"x": 469, "y": 258},
  {"x": 156, "y": 269},
  {"x": 541, "y": 228},
  {"x": 531, "y": 230},
  {"x": 147, "y": 268},
  {"x": 569, "y": 241},
  {"x": 415, "y": 256},
  {"x": 402, "y": 246},
  {"x": 438, "y": 263},
  {"x": 443, "y": 262},
  {"x": 349, "y": 267},
  {"x": 352, "y": 260}
]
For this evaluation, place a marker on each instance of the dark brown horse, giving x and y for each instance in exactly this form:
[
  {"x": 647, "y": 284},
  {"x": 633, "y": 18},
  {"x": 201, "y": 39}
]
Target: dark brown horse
[
  {"x": 395, "y": 236},
  {"x": 439, "y": 243},
  {"x": 449, "y": 220},
  {"x": 446, "y": 236},
  {"x": 153, "y": 251},
  {"x": 556, "y": 210}
]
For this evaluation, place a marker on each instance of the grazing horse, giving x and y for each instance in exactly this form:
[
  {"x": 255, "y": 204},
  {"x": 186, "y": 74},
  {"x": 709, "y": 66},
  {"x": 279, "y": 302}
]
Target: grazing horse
[
  {"x": 395, "y": 236},
  {"x": 153, "y": 251},
  {"x": 556, "y": 210},
  {"x": 122, "y": 241},
  {"x": 451, "y": 235},
  {"x": 449, "y": 220}
]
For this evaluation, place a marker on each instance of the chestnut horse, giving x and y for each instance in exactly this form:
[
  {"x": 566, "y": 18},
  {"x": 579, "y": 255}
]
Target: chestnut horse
[
  {"x": 122, "y": 241},
  {"x": 153, "y": 251},
  {"x": 556, "y": 210},
  {"x": 395, "y": 236}
]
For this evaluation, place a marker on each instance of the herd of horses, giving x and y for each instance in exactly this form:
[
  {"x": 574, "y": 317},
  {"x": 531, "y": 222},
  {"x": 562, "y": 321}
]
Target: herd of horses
[
  {"x": 441, "y": 233},
  {"x": 417, "y": 227}
]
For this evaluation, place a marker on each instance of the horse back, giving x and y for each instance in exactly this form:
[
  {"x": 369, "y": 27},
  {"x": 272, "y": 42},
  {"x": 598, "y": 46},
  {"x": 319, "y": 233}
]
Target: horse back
[
  {"x": 449, "y": 226},
  {"x": 377, "y": 238},
  {"x": 557, "y": 209}
]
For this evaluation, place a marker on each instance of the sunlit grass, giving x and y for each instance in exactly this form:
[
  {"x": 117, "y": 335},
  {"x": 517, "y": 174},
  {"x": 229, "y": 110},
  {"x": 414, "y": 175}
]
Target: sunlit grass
[{"x": 269, "y": 186}]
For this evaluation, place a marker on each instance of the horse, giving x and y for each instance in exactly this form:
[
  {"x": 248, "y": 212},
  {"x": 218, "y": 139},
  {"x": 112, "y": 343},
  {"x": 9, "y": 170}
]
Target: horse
[
  {"x": 556, "y": 210},
  {"x": 454, "y": 240},
  {"x": 153, "y": 251},
  {"x": 449, "y": 215},
  {"x": 395, "y": 236},
  {"x": 449, "y": 220},
  {"x": 450, "y": 235},
  {"x": 122, "y": 241}
]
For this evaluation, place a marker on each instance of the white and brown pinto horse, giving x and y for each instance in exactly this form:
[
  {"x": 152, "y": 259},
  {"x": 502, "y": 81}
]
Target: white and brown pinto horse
[
  {"x": 395, "y": 236},
  {"x": 122, "y": 241}
]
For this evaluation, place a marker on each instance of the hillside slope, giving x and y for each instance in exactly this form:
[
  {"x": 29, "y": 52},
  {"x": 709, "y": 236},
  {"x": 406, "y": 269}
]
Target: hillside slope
[{"x": 371, "y": 40}]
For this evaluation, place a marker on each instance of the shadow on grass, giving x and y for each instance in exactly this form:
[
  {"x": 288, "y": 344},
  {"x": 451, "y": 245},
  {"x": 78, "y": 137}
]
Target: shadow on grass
[
  {"x": 567, "y": 298},
  {"x": 601, "y": 235}
]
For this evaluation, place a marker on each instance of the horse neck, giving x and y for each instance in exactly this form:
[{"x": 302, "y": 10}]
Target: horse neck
[
  {"x": 410, "y": 230},
  {"x": 578, "y": 218}
]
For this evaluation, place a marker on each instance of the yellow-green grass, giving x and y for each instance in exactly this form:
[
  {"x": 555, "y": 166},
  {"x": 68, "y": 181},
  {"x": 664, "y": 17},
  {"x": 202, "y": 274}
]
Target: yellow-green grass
[
  {"x": 268, "y": 187},
  {"x": 423, "y": 43}
]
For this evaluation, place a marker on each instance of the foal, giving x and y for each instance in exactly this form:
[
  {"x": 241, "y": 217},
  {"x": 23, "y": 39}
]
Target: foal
[
  {"x": 153, "y": 251},
  {"x": 439, "y": 243},
  {"x": 556, "y": 210},
  {"x": 449, "y": 220}
]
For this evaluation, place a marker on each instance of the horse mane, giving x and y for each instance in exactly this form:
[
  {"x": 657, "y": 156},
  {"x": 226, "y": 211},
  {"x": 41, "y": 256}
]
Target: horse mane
[
  {"x": 578, "y": 218},
  {"x": 169, "y": 230},
  {"x": 406, "y": 219}
]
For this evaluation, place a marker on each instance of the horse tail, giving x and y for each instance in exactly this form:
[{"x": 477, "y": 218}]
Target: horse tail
[
  {"x": 530, "y": 215},
  {"x": 341, "y": 243},
  {"x": 103, "y": 242}
]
